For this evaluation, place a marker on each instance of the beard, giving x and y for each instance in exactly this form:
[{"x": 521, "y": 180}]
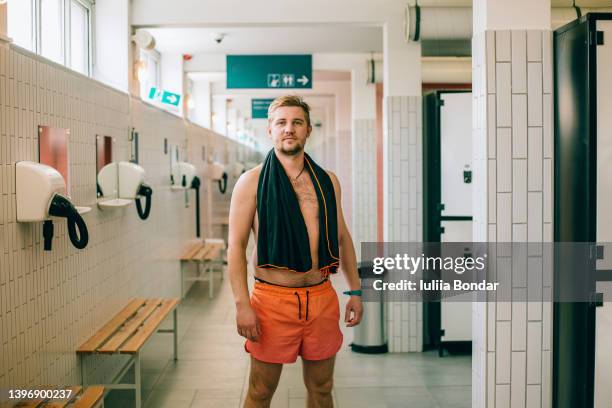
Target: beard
[{"x": 291, "y": 151}]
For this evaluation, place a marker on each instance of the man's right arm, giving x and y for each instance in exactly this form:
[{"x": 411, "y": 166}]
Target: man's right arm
[{"x": 242, "y": 212}]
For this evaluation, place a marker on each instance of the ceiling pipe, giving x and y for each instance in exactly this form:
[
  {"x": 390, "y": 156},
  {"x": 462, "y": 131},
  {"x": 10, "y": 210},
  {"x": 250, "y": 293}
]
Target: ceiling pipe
[
  {"x": 450, "y": 70},
  {"x": 455, "y": 23}
]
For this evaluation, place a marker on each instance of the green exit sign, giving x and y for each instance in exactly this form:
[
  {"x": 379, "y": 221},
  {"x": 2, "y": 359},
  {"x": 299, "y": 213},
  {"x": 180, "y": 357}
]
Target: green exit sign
[
  {"x": 269, "y": 71},
  {"x": 259, "y": 108}
]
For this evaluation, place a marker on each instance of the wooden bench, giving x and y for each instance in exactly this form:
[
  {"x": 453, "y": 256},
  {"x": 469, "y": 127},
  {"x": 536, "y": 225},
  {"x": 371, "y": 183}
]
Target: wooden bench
[
  {"x": 90, "y": 397},
  {"x": 208, "y": 254},
  {"x": 126, "y": 333}
]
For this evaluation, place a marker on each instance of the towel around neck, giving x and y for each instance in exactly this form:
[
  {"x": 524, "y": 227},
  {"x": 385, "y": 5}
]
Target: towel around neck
[{"x": 282, "y": 241}]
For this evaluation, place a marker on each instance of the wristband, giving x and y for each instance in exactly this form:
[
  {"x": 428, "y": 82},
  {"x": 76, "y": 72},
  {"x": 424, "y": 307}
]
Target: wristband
[{"x": 356, "y": 292}]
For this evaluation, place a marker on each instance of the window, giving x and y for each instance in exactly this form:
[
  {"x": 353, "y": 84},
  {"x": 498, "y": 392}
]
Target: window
[
  {"x": 79, "y": 36},
  {"x": 51, "y": 30},
  {"x": 56, "y": 29},
  {"x": 149, "y": 74},
  {"x": 20, "y": 23}
]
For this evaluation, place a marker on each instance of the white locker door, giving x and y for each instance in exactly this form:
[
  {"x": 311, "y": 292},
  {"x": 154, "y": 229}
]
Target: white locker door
[{"x": 456, "y": 195}]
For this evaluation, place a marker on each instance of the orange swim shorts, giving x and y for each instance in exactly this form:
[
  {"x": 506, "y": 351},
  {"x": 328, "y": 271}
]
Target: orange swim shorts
[{"x": 295, "y": 321}]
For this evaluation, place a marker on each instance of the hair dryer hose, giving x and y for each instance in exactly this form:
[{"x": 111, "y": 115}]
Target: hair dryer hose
[
  {"x": 223, "y": 184},
  {"x": 195, "y": 184},
  {"x": 62, "y": 207},
  {"x": 80, "y": 239},
  {"x": 147, "y": 192}
]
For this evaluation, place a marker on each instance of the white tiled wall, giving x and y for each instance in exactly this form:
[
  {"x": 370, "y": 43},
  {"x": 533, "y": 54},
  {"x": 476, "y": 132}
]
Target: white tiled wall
[
  {"x": 343, "y": 170},
  {"x": 404, "y": 201},
  {"x": 52, "y": 301},
  {"x": 513, "y": 203},
  {"x": 364, "y": 222}
]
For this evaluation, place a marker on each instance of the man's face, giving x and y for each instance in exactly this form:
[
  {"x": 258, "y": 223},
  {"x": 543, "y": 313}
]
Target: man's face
[{"x": 288, "y": 129}]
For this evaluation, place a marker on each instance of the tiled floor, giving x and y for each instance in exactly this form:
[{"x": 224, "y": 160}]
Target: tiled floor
[{"x": 212, "y": 370}]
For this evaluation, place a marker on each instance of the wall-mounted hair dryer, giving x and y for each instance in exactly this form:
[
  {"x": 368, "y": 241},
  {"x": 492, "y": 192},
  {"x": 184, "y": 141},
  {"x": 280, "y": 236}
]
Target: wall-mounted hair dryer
[
  {"x": 127, "y": 181},
  {"x": 237, "y": 169},
  {"x": 185, "y": 173},
  {"x": 249, "y": 165},
  {"x": 217, "y": 173},
  {"x": 41, "y": 193}
]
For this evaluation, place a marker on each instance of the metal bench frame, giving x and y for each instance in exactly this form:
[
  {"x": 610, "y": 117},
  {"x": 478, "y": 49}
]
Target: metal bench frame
[
  {"x": 134, "y": 361},
  {"x": 209, "y": 266}
]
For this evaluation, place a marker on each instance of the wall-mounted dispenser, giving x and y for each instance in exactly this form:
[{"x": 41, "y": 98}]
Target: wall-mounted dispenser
[
  {"x": 216, "y": 172},
  {"x": 186, "y": 174},
  {"x": 40, "y": 191},
  {"x": 237, "y": 169},
  {"x": 126, "y": 180}
]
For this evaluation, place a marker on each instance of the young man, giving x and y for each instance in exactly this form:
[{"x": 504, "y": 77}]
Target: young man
[{"x": 293, "y": 208}]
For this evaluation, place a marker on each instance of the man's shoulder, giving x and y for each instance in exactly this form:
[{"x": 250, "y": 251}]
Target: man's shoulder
[
  {"x": 249, "y": 179},
  {"x": 333, "y": 178},
  {"x": 252, "y": 175}
]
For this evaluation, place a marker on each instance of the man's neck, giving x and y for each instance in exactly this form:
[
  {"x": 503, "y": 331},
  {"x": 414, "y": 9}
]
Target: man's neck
[{"x": 293, "y": 165}]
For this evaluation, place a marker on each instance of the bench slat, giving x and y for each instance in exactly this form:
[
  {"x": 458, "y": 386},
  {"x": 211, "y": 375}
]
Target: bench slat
[
  {"x": 149, "y": 327},
  {"x": 34, "y": 403},
  {"x": 209, "y": 252},
  {"x": 64, "y": 402},
  {"x": 199, "y": 256},
  {"x": 188, "y": 255},
  {"x": 90, "y": 397},
  {"x": 214, "y": 253},
  {"x": 130, "y": 327},
  {"x": 110, "y": 327}
]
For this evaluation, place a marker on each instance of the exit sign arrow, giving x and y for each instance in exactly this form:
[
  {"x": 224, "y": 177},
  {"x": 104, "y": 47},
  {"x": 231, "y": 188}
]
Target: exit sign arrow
[{"x": 303, "y": 80}]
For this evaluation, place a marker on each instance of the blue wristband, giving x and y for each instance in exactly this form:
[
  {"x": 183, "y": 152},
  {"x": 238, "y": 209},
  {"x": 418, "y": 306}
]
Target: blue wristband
[{"x": 356, "y": 292}]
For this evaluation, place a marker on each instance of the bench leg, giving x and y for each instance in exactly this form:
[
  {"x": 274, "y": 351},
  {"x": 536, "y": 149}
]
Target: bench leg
[
  {"x": 175, "y": 334},
  {"x": 182, "y": 282},
  {"x": 83, "y": 371},
  {"x": 137, "y": 380},
  {"x": 210, "y": 281}
]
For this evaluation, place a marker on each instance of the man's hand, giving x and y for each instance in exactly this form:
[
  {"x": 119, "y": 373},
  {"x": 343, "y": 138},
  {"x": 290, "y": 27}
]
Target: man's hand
[
  {"x": 354, "y": 311},
  {"x": 247, "y": 323}
]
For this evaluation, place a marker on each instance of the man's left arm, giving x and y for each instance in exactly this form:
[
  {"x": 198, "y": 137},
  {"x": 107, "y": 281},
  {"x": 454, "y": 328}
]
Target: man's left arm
[{"x": 348, "y": 261}]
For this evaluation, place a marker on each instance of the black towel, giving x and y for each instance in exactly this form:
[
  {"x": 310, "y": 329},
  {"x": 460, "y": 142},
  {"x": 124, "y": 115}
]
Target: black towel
[{"x": 282, "y": 240}]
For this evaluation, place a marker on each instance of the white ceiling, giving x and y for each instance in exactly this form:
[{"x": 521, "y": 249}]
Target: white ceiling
[{"x": 269, "y": 40}]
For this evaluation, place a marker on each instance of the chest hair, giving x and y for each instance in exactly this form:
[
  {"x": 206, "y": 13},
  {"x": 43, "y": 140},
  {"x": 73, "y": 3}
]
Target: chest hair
[{"x": 305, "y": 192}]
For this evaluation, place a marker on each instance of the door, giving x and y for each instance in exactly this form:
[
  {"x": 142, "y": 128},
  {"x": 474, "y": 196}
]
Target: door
[
  {"x": 574, "y": 210},
  {"x": 456, "y": 196},
  {"x": 603, "y": 314},
  {"x": 447, "y": 201}
]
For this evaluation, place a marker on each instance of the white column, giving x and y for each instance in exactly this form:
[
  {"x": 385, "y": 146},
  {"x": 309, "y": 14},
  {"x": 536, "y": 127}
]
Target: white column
[
  {"x": 363, "y": 95},
  {"x": 513, "y": 153},
  {"x": 402, "y": 169}
]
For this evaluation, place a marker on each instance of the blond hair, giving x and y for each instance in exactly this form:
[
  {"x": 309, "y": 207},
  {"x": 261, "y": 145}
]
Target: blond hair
[{"x": 290, "y": 100}]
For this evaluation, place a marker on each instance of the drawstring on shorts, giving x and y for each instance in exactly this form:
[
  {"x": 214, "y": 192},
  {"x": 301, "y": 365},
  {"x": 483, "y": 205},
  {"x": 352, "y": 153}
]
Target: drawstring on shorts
[{"x": 300, "y": 304}]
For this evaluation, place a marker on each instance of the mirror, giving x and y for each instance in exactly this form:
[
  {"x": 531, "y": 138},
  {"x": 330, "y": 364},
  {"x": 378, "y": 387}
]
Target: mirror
[
  {"x": 53, "y": 150},
  {"x": 104, "y": 156}
]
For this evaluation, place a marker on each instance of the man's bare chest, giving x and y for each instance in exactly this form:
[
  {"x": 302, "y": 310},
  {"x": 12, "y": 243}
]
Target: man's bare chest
[{"x": 306, "y": 195}]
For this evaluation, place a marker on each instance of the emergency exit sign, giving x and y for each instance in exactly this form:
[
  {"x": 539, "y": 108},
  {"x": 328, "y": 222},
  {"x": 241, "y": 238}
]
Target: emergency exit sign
[
  {"x": 259, "y": 108},
  {"x": 269, "y": 71}
]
